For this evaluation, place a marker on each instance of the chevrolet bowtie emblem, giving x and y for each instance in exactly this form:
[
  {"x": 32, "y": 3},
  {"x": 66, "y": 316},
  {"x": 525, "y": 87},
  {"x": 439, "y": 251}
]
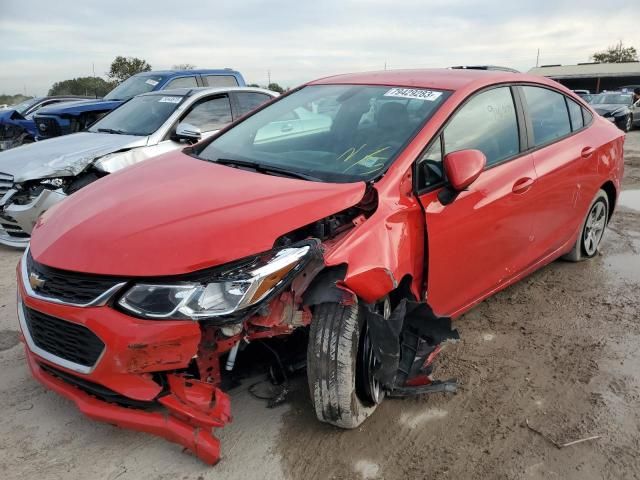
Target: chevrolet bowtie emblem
[{"x": 35, "y": 281}]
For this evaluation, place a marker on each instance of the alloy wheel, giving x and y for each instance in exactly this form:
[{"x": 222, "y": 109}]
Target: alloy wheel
[
  {"x": 594, "y": 228},
  {"x": 372, "y": 387}
]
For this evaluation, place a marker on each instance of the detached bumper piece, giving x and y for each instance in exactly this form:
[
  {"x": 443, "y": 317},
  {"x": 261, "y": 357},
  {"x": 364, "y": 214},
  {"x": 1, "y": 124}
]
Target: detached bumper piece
[
  {"x": 406, "y": 347},
  {"x": 191, "y": 408}
]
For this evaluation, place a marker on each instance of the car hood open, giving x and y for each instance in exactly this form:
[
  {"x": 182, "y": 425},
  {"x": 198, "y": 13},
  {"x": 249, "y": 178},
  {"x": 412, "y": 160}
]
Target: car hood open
[
  {"x": 176, "y": 214},
  {"x": 63, "y": 156}
]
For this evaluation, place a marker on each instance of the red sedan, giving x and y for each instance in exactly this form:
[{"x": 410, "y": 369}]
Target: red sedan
[{"x": 354, "y": 216}]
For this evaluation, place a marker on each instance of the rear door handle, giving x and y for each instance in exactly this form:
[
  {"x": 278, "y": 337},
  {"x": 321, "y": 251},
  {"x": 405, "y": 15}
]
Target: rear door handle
[
  {"x": 587, "y": 152},
  {"x": 522, "y": 185}
]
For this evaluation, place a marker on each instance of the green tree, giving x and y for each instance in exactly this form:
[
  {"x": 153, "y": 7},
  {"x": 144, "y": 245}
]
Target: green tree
[
  {"x": 616, "y": 54},
  {"x": 124, "y": 67},
  {"x": 90, "y": 86},
  {"x": 274, "y": 87},
  {"x": 254, "y": 85},
  {"x": 13, "y": 99},
  {"x": 184, "y": 66}
]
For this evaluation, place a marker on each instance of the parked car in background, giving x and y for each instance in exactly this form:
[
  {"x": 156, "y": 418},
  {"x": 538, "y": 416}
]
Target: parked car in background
[
  {"x": 354, "y": 245},
  {"x": 36, "y": 177},
  {"x": 17, "y": 125},
  {"x": 617, "y": 107},
  {"x": 586, "y": 95},
  {"x": 71, "y": 118}
]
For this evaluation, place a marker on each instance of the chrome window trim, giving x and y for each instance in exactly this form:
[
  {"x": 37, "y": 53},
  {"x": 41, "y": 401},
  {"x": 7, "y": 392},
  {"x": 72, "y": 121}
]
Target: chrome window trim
[
  {"x": 76, "y": 367},
  {"x": 99, "y": 301}
]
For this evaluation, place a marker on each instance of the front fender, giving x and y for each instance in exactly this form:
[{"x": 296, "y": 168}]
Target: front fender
[{"x": 383, "y": 250}]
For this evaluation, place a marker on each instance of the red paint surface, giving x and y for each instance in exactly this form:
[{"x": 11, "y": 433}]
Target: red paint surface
[
  {"x": 175, "y": 214},
  {"x": 464, "y": 167}
]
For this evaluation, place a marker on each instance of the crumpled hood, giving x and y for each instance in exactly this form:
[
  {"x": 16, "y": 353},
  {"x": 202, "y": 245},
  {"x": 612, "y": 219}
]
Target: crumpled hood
[
  {"x": 176, "y": 214},
  {"x": 605, "y": 108},
  {"x": 62, "y": 156},
  {"x": 71, "y": 108},
  {"x": 8, "y": 114}
]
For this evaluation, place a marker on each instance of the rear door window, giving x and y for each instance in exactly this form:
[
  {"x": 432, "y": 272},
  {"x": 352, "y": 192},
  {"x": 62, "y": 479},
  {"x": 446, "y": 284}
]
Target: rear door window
[
  {"x": 210, "y": 114},
  {"x": 487, "y": 123},
  {"x": 221, "y": 80},
  {"x": 248, "y": 101},
  {"x": 182, "y": 82},
  {"x": 549, "y": 114}
]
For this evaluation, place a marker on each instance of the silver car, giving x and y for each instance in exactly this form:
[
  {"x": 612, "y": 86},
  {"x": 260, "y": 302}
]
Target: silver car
[{"x": 35, "y": 177}]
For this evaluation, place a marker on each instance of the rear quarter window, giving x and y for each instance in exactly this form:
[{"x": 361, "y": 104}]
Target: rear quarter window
[{"x": 575, "y": 114}]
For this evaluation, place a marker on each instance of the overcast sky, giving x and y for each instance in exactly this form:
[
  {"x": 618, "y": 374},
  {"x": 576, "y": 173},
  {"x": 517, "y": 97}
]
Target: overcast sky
[{"x": 45, "y": 41}]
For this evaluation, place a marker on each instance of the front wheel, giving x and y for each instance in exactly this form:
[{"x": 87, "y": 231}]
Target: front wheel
[
  {"x": 592, "y": 231},
  {"x": 628, "y": 125},
  {"x": 340, "y": 365}
]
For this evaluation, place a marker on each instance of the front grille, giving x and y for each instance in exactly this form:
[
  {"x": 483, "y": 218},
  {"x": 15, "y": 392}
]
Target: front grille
[
  {"x": 96, "y": 390},
  {"x": 70, "y": 341},
  {"x": 69, "y": 287},
  {"x": 47, "y": 127},
  {"x": 6, "y": 183}
]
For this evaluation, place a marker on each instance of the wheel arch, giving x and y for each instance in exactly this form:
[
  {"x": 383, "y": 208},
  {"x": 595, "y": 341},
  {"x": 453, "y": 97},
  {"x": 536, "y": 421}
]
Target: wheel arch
[{"x": 611, "y": 191}]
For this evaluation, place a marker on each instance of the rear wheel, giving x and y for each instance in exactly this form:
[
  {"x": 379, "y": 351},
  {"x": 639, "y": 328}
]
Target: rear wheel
[
  {"x": 340, "y": 365},
  {"x": 592, "y": 231}
]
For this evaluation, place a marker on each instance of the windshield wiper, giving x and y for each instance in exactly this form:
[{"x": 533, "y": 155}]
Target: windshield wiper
[
  {"x": 111, "y": 130},
  {"x": 263, "y": 168}
]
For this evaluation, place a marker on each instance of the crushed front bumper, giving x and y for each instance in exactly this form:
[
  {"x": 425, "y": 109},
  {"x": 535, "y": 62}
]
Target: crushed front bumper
[
  {"x": 122, "y": 387},
  {"x": 17, "y": 221}
]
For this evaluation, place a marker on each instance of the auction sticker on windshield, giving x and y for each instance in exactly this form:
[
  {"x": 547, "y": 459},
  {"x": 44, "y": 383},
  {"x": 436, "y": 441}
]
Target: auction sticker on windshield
[
  {"x": 170, "y": 100},
  {"x": 151, "y": 82},
  {"x": 416, "y": 93}
]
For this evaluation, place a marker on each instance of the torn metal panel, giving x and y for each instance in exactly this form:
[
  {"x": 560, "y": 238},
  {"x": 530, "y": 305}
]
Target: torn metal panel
[
  {"x": 407, "y": 344},
  {"x": 383, "y": 249}
]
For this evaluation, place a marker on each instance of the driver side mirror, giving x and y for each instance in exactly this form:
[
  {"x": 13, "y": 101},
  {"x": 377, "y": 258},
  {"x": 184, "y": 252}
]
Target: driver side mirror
[
  {"x": 186, "y": 131},
  {"x": 464, "y": 167}
]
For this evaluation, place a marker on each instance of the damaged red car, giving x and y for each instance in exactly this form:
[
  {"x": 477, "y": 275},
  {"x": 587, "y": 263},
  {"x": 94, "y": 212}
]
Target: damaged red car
[{"x": 349, "y": 220}]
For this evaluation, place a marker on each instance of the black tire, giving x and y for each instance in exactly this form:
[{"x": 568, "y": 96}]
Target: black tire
[
  {"x": 332, "y": 359},
  {"x": 587, "y": 244}
]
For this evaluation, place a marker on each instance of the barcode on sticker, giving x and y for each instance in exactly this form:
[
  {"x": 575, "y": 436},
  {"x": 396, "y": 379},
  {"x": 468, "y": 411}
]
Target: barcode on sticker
[
  {"x": 170, "y": 99},
  {"x": 416, "y": 93}
]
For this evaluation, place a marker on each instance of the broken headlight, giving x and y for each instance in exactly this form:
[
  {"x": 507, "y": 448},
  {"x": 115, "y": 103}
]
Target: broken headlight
[{"x": 225, "y": 293}]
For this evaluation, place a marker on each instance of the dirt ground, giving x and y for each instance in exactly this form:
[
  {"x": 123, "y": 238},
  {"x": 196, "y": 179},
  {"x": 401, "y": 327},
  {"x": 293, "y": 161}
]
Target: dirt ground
[{"x": 559, "y": 349}]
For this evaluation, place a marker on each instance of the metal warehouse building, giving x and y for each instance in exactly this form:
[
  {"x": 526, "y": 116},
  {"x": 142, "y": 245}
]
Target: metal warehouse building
[{"x": 594, "y": 77}]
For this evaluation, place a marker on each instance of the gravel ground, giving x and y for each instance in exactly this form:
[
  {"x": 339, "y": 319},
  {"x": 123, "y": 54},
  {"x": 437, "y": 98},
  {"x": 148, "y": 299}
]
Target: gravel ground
[{"x": 558, "y": 349}]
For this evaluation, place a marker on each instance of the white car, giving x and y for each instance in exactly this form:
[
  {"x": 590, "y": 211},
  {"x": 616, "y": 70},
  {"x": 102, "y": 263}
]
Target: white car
[{"x": 35, "y": 177}]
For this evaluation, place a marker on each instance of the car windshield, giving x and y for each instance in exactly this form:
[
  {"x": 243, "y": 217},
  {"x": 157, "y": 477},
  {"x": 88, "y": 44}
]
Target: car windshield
[
  {"x": 141, "y": 115},
  {"x": 612, "y": 99},
  {"x": 133, "y": 86},
  {"x": 22, "y": 107},
  {"x": 333, "y": 133}
]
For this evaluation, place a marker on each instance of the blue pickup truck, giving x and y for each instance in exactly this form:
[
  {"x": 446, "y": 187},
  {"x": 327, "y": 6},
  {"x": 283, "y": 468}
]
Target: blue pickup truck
[{"x": 76, "y": 116}]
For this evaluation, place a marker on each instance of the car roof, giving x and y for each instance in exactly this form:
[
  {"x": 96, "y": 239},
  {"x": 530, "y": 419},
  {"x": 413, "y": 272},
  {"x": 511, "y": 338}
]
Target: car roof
[
  {"x": 188, "y": 92},
  {"x": 200, "y": 71},
  {"x": 437, "y": 78}
]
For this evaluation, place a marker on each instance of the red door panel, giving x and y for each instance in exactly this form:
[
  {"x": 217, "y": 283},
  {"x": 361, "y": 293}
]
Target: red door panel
[
  {"x": 563, "y": 170},
  {"x": 481, "y": 239}
]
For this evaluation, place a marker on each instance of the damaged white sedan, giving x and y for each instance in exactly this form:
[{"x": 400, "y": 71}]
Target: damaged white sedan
[{"x": 35, "y": 177}]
